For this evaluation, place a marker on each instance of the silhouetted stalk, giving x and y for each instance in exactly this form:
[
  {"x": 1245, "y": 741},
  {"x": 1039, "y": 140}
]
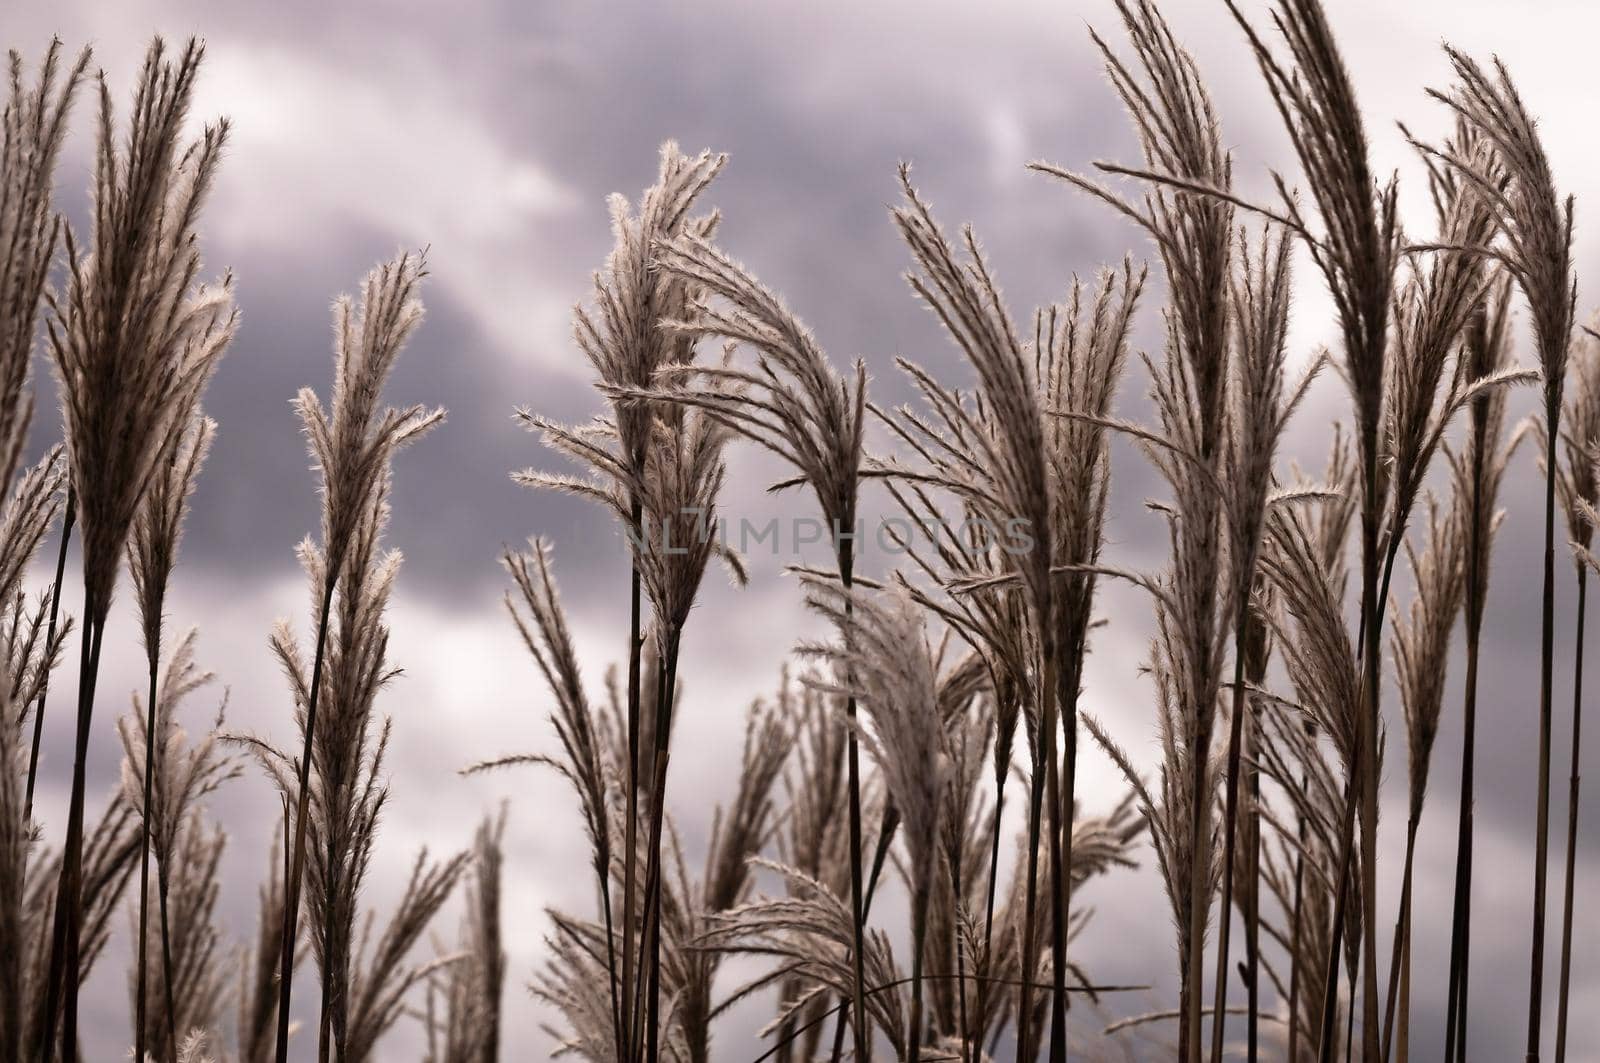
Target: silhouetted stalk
[
  {"x": 291, "y": 899},
  {"x": 988, "y": 908},
  {"x": 1230, "y": 837},
  {"x": 1252, "y": 915},
  {"x": 919, "y": 927},
  {"x": 50, "y": 640},
  {"x": 162, "y": 882},
  {"x": 846, "y": 558},
  {"x": 1295, "y": 929},
  {"x": 150, "y": 740},
  {"x": 1341, "y": 887},
  {"x": 62, "y": 976},
  {"x": 1402, "y": 939},
  {"x": 961, "y": 956},
  {"x": 1572, "y": 820},
  {"x": 1062, "y": 805},
  {"x": 623, "y": 1012},
  {"x": 1044, "y": 770},
  {"x": 658, "y": 808},
  {"x": 1461, "y": 908},
  {"x": 886, "y": 829},
  {"x": 1541, "y": 855}
]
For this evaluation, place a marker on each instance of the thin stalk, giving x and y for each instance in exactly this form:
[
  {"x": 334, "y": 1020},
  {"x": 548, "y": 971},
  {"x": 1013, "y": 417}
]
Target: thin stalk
[
  {"x": 50, "y": 639},
  {"x": 1199, "y": 906},
  {"x": 1461, "y": 914},
  {"x": 162, "y": 881},
  {"x": 961, "y": 957},
  {"x": 1330, "y": 1000},
  {"x": 1362, "y": 785},
  {"x": 846, "y": 558},
  {"x": 1230, "y": 837},
  {"x": 1572, "y": 821},
  {"x": 1294, "y": 932},
  {"x": 1541, "y": 855},
  {"x": 1370, "y": 716},
  {"x": 62, "y": 978},
  {"x": 1402, "y": 937},
  {"x": 988, "y": 909},
  {"x": 139, "y": 1008},
  {"x": 1252, "y": 914},
  {"x": 1404, "y": 1050},
  {"x": 1063, "y": 804},
  {"x": 622, "y": 1022},
  {"x": 886, "y": 829},
  {"x": 658, "y": 815},
  {"x": 291, "y": 899},
  {"x": 914, "y": 1023},
  {"x": 1025, "y": 1052}
]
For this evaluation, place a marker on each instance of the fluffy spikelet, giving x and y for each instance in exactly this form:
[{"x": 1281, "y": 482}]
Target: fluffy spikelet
[
  {"x": 1580, "y": 438},
  {"x": 738, "y": 834},
  {"x": 468, "y": 990},
  {"x": 792, "y": 402},
  {"x": 34, "y": 128},
  {"x": 622, "y": 336},
  {"x": 158, "y": 525},
  {"x": 536, "y": 610},
  {"x": 810, "y": 933},
  {"x": 353, "y": 444},
  {"x": 110, "y": 857},
  {"x": 135, "y": 337},
  {"x": 200, "y": 982},
  {"x": 1535, "y": 221},
  {"x": 29, "y": 511},
  {"x": 381, "y": 975},
  {"x": 186, "y": 771},
  {"x": 257, "y": 991},
  {"x": 885, "y": 661},
  {"x": 1421, "y": 639}
]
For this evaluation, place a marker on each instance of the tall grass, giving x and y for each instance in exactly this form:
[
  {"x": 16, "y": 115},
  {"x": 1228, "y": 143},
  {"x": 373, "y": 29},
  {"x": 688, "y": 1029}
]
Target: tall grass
[{"x": 881, "y": 768}]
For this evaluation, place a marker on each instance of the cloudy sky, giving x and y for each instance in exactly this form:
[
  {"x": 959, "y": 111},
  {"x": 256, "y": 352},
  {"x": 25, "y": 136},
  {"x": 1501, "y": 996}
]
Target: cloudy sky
[{"x": 491, "y": 133}]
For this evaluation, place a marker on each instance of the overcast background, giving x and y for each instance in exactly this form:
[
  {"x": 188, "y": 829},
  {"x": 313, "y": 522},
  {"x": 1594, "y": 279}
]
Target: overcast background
[{"x": 491, "y": 133}]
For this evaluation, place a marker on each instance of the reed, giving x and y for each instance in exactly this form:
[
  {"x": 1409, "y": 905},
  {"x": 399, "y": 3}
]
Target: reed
[
  {"x": 1580, "y": 495},
  {"x": 1537, "y": 227},
  {"x": 336, "y": 778},
  {"x": 134, "y": 338}
]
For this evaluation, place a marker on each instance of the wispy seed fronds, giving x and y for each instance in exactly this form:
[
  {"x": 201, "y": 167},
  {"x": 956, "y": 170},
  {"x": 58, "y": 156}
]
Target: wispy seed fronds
[
  {"x": 792, "y": 401},
  {"x": 1421, "y": 638},
  {"x": 31, "y": 135},
  {"x": 158, "y": 525},
  {"x": 1535, "y": 220},
  {"x": 135, "y": 337},
  {"x": 885, "y": 662},
  {"x": 353, "y": 442},
  {"x": 185, "y": 771}
]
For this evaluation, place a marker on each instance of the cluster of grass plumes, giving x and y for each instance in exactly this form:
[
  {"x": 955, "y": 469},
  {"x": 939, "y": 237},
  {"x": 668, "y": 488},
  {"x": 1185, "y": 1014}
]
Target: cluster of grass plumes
[
  {"x": 882, "y": 766},
  {"x": 1281, "y": 819},
  {"x": 134, "y": 336}
]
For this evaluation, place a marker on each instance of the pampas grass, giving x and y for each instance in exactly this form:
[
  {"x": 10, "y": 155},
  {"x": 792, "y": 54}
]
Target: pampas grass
[
  {"x": 134, "y": 339},
  {"x": 1537, "y": 253},
  {"x": 933, "y": 664},
  {"x": 152, "y": 554},
  {"x": 1580, "y": 495},
  {"x": 352, "y": 444}
]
